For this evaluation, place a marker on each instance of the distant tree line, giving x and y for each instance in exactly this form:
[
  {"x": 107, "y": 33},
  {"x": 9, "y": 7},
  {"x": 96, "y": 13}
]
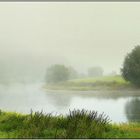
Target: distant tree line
[
  {"x": 130, "y": 70},
  {"x": 60, "y": 73}
]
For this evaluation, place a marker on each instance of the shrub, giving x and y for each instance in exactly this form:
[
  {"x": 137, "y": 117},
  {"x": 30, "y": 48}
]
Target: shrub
[{"x": 57, "y": 73}]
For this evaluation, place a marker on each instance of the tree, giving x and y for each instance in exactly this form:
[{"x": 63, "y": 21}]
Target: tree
[
  {"x": 95, "y": 71},
  {"x": 57, "y": 73},
  {"x": 131, "y": 66}
]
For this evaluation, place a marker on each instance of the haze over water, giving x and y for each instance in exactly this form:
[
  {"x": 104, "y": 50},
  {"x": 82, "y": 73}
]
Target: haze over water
[
  {"x": 37, "y": 35},
  {"x": 22, "y": 98}
]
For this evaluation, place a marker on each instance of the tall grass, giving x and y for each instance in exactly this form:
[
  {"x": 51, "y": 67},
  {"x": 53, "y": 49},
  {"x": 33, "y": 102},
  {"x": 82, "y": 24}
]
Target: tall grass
[
  {"x": 77, "y": 124},
  {"x": 84, "y": 124}
]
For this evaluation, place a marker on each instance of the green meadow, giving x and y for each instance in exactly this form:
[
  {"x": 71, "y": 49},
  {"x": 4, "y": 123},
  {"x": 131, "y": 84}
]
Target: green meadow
[{"x": 99, "y": 83}]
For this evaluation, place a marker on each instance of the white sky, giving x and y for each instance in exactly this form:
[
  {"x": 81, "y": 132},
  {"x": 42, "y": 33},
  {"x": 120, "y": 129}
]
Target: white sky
[{"x": 34, "y": 35}]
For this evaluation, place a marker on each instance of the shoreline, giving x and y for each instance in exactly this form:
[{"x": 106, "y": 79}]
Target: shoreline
[{"x": 101, "y": 92}]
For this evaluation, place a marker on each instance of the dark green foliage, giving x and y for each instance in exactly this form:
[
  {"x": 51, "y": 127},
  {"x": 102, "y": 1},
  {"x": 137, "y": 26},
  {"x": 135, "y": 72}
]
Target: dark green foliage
[
  {"x": 57, "y": 73},
  {"x": 131, "y": 66}
]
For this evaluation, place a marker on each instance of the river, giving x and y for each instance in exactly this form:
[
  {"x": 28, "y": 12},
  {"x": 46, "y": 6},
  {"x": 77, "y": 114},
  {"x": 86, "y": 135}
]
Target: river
[{"x": 120, "y": 106}]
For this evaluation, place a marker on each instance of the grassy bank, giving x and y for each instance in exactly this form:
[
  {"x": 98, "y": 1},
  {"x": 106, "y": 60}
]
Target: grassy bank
[
  {"x": 77, "y": 124},
  {"x": 100, "y": 83}
]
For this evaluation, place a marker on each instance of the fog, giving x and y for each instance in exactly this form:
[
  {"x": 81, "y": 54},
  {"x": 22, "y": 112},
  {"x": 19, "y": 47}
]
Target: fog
[{"x": 34, "y": 36}]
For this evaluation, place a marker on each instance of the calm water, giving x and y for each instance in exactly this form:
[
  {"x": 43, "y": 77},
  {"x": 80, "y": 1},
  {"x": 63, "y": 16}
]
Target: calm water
[{"x": 22, "y": 98}]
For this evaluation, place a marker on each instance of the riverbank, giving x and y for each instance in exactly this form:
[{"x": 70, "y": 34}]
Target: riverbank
[
  {"x": 77, "y": 124},
  {"x": 92, "y": 84}
]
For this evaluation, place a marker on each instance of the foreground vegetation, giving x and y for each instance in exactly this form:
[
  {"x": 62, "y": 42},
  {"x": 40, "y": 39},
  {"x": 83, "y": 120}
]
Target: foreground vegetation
[
  {"x": 77, "y": 124},
  {"x": 100, "y": 83}
]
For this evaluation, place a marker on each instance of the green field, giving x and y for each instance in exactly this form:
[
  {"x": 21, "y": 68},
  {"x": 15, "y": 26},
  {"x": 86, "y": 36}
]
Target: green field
[
  {"x": 77, "y": 124},
  {"x": 116, "y": 78},
  {"x": 99, "y": 83}
]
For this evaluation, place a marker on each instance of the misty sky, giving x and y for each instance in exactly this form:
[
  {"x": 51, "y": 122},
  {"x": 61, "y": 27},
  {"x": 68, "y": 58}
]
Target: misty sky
[{"x": 36, "y": 35}]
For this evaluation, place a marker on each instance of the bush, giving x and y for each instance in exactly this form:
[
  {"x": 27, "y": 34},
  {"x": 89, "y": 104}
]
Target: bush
[
  {"x": 131, "y": 66},
  {"x": 57, "y": 73}
]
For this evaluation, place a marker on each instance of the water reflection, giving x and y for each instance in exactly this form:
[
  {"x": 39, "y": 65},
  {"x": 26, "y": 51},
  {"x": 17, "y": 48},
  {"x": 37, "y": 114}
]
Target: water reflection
[
  {"x": 59, "y": 100},
  {"x": 132, "y": 110},
  {"x": 107, "y": 94}
]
